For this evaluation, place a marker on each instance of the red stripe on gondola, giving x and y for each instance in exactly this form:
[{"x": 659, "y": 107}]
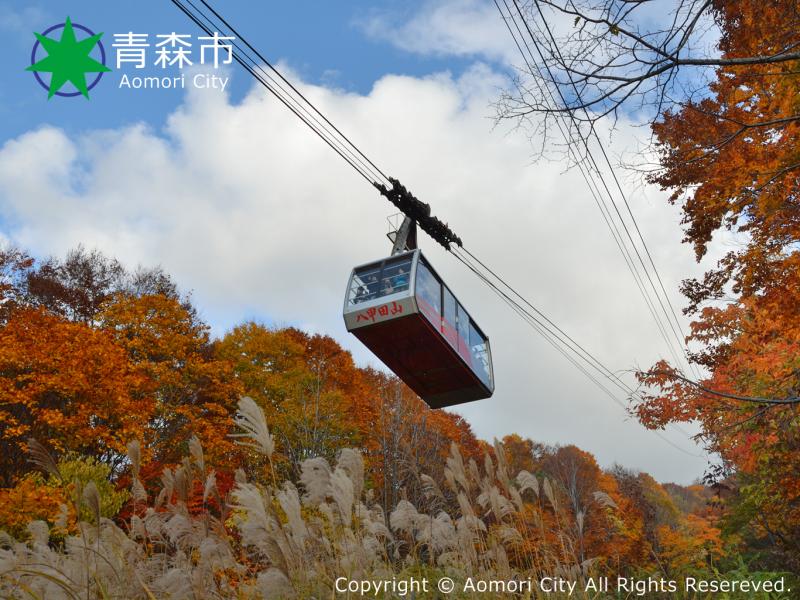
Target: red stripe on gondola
[
  {"x": 419, "y": 354},
  {"x": 459, "y": 343}
]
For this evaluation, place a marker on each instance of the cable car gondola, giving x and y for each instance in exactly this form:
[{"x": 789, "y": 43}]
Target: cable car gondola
[{"x": 403, "y": 312}]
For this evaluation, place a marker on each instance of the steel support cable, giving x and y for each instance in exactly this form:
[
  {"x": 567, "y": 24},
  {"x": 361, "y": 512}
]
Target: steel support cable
[
  {"x": 566, "y": 339},
  {"x": 544, "y": 322},
  {"x": 537, "y": 325},
  {"x": 593, "y": 162},
  {"x": 302, "y": 103},
  {"x": 623, "y": 195},
  {"x": 289, "y": 83},
  {"x": 395, "y": 192},
  {"x": 586, "y": 174},
  {"x": 596, "y": 194},
  {"x": 593, "y": 189},
  {"x": 681, "y": 343},
  {"x": 553, "y": 341},
  {"x": 274, "y": 87},
  {"x": 589, "y": 358},
  {"x": 548, "y": 337},
  {"x": 250, "y": 66}
]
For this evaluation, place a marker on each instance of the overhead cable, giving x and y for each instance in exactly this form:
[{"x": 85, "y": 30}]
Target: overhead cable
[
  {"x": 669, "y": 314},
  {"x": 594, "y": 190},
  {"x": 557, "y": 342}
]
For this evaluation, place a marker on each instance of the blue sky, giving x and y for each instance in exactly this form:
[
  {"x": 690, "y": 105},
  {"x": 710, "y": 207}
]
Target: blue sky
[
  {"x": 257, "y": 218},
  {"x": 322, "y": 41}
]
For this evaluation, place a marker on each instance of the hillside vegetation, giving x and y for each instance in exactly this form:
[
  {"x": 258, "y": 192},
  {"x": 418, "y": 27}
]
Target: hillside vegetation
[{"x": 139, "y": 458}]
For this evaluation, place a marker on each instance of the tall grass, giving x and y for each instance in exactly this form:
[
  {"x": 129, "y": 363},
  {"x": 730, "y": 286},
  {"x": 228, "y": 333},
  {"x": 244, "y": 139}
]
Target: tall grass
[{"x": 271, "y": 539}]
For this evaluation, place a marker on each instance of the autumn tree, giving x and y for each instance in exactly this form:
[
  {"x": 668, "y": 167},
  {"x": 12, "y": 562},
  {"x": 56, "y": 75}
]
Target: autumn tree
[
  {"x": 602, "y": 519},
  {"x": 14, "y": 265},
  {"x": 520, "y": 453},
  {"x": 70, "y": 387},
  {"x": 77, "y": 286},
  {"x": 675, "y": 541},
  {"x": 730, "y": 160},
  {"x": 305, "y": 384},
  {"x": 160, "y": 366},
  {"x": 194, "y": 392},
  {"x": 409, "y": 440}
]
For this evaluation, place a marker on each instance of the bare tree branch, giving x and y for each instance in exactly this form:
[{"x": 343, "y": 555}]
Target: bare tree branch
[{"x": 609, "y": 58}]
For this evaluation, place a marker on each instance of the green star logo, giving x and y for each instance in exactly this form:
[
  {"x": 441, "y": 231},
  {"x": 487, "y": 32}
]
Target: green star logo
[{"x": 68, "y": 59}]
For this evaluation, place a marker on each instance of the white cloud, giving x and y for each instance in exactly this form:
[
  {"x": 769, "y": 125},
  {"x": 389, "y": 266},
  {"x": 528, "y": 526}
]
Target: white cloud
[
  {"x": 476, "y": 29},
  {"x": 258, "y": 217},
  {"x": 445, "y": 27}
]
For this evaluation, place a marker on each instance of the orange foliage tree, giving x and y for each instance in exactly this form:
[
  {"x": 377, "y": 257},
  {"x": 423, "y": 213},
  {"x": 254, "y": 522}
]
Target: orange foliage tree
[
  {"x": 406, "y": 440},
  {"x": 28, "y": 501},
  {"x": 194, "y": 392},
  {"x": 305, "y": 384},
  {"x": 123, "y": 346},
  {"x": 603, "y": 523},
  {"x": 731, "y": 161},
  {"x": 67, "y": 385}
]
